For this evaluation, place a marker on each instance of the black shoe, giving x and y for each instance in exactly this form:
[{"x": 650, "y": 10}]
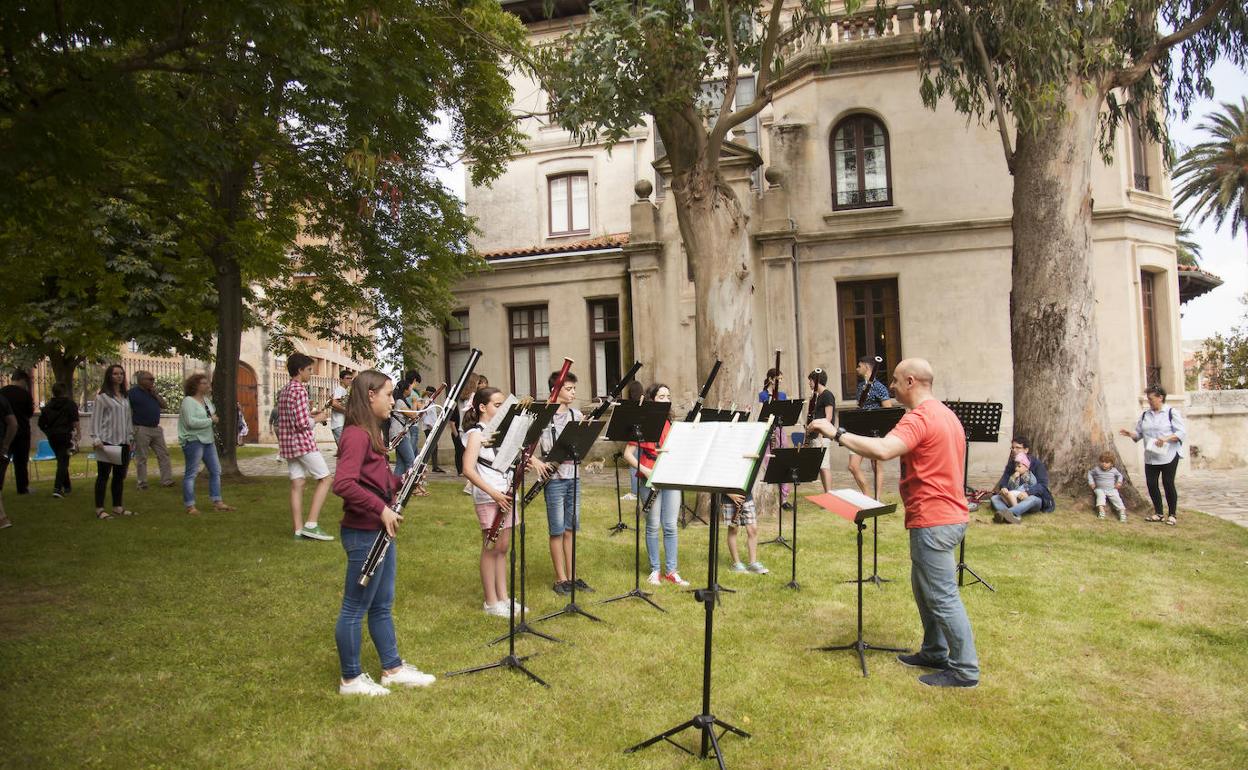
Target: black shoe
[
  {"x": 436, "y": 469},
  {"x": 57, "y": 493},
  {"x": 26, "y": 491},
  {"x": 947, "y": 679},
  {"x": 581, "y": 585},
  {"x": 918, "y": 661},
  {"x": 560, "y": 588},
  {"x": 786, "y": 506}
]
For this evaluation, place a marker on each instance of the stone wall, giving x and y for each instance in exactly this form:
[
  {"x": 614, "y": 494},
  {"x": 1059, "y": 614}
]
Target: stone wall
[{"x": 1217, "y": 429}]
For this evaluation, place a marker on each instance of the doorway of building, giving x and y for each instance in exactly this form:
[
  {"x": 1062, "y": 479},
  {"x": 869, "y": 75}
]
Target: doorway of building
[{"x": 249, "y": 400}]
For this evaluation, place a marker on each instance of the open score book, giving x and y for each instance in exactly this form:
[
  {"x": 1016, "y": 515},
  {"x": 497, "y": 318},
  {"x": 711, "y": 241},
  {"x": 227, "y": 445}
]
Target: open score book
[{"x": 710, "y": 456}]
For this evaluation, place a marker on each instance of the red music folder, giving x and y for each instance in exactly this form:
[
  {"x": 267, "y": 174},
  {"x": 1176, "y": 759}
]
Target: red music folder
[{"x": 851, "y": 505}]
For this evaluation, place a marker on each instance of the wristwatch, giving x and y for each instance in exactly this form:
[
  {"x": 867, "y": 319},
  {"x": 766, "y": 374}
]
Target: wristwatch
[{"x": 837, "y": 436}]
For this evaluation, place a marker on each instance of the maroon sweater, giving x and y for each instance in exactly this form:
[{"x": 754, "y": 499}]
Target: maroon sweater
[{"x": 361, "y": 474}]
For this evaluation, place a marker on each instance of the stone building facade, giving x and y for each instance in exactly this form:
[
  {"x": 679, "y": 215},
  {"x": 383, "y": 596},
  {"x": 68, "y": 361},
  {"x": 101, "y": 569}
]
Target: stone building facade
[{"x": 879, "y": 228}]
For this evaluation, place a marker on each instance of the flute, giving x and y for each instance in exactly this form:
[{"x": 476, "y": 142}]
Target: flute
[
  {"x": 690, "y": 417},
  {"x": 377, "y": 552},
  {"x": 611, "y": 398}
]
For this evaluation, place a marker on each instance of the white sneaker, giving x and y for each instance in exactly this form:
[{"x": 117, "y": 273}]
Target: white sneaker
[
  {"x": 519, "y": 608},
  {"x": 408, "y": 676},
  {"x": 654, "y": 578},
  {"x": 758, "y": 569},
  {"x": 629, "y": 496},
  {"x": 498, "y": 609},
  {"x": 362, "y": 685},
  {"x": 674, "y": 577}
]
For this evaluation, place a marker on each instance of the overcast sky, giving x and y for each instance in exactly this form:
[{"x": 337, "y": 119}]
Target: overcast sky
[{"x": 1223, "y": 256}]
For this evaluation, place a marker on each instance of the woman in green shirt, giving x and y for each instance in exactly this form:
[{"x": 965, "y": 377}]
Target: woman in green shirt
[{"x": 195, "y": 433}]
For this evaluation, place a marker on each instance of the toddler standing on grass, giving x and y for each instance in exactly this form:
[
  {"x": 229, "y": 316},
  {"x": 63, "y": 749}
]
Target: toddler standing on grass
[{"x": 1105, "y": 480}]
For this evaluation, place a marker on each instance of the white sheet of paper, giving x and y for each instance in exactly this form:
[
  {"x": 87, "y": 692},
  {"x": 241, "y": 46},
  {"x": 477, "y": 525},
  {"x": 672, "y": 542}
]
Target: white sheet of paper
[
  {"x": 109, "y": 454},
  {"x": 858, "y": 499},
  {"x": 513, "y": 442},
  {"x": 492, "y": 424}
]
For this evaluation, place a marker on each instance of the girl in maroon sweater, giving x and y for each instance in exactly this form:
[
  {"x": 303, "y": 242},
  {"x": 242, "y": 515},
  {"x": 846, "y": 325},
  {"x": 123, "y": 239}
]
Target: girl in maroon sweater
[{"x": 366, "y": 485}]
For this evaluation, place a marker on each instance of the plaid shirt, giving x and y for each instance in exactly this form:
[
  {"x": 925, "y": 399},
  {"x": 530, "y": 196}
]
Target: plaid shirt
[{"x": 294, "y": 421}]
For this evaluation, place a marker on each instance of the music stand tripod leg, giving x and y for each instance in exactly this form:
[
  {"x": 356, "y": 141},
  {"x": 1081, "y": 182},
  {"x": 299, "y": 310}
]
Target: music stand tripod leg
[
  {"x": 636, "y": 592},
  {"x": 619, "y": 525},
  {"x": 793, "y": 548},
  {"x": 963, "y": 567},
  {"x": 572, "y": 608},
  {"x": 859, "y": 645}
]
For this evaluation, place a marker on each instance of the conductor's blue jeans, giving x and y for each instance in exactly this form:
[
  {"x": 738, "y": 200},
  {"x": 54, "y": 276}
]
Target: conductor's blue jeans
[{"x": 934, "y": 578}]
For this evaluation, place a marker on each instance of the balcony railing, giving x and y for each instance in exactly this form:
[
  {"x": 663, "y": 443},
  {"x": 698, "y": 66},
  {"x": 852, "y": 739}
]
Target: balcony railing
[
  {"x": 856, "y": 199},
  {"x": 1142, "y": 182},
  {"x": 810, "y": 35}
]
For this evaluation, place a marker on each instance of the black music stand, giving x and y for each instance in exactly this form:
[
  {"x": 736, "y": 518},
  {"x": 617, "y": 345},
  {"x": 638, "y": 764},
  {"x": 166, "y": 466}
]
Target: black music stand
[
  {"x": 619, "y": 525},
  {"x": 574, "y": 443},
  {"x": 511, "y": 660},
  {"x": 981, "y": 421},
  {"x": 637, "y": 423},
  {"x": 705, "y": 722},
  {"x": 793, "y": 465},
  {"x": 859, "y": 645},
  {"x": 875, "y": 423},
  {"x": 786, "y": 414}
]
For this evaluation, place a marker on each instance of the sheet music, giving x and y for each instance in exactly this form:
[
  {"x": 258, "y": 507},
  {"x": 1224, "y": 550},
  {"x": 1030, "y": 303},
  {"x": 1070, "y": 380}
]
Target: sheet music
[
  {"x": 858, "y": 499},
  {"x": 513, "y": 442},
  {"x": 715, "y": 455},
  {"x": 492, "y": 424}
]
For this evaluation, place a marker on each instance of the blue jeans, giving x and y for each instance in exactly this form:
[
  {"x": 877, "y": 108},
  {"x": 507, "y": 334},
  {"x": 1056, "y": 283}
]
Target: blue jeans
[
  {"x": 405, "y": 455},
  {"x": 563, "y": 505},
  {"x": 1029, "y": 504},
  {"x": 634, "y": 485},
  {"x": 934, "y": 579},
  {"x": 375, "y": 599},
  {"x": 195, "y": 451},
  {"x": 664, "y": 513}
]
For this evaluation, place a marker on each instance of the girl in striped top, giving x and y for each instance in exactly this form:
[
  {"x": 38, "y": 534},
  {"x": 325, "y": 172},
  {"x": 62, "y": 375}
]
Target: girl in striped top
[
  {"x": 112, "y": 426},
  {"x": 489, "y": 496}
]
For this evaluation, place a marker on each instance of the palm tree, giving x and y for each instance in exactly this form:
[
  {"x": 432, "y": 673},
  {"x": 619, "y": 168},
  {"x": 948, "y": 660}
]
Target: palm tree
[
  {"x": 1188, "y": 249},
  {"x": 1214, "y": 175}
]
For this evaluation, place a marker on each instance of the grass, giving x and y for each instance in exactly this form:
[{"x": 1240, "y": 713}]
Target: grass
[{"x": 167, "y": 641}]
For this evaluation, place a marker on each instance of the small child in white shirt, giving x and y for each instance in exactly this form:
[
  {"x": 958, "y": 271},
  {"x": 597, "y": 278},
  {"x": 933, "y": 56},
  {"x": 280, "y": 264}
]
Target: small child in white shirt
[{"x": 1105, "y": 480}]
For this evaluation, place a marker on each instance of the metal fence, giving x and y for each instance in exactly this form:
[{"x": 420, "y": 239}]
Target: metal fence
[{"x": 89, "y": 376}]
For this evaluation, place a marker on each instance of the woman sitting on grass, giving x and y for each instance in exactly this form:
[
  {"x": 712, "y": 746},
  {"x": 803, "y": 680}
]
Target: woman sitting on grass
[
  {"x": 366, "y": 485},
  {"x": 196, "y": 422}
]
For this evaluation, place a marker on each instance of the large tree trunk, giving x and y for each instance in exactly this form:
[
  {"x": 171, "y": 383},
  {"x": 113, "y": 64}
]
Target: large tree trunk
[
  {"x": 228, "y": 279},
  {"x": 63, "y": 368},
  {"x": 1059, "y": 402}
]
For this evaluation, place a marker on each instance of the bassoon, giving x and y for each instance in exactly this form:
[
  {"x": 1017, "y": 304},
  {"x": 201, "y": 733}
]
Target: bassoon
[
  {"x": 491, "y": 535},
  {"x": 377, "y": 553},
  {"x": 598, "y": 412},
  {"x": 690, "y": 417}
]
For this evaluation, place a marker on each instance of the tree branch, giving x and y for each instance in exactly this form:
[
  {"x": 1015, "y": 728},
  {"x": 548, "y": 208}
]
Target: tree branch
[
  {"x": 991, "y": 77},
  {"x": 762, "y": 94},
  {"x": 1128, "y": 76},
  {"x": 719, "y": 131}
]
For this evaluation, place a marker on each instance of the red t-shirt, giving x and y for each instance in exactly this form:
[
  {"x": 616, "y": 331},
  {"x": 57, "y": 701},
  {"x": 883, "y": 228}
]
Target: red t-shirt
[
  {"x": 648, "y": 451},
  {"x": 932, "y": 470}
]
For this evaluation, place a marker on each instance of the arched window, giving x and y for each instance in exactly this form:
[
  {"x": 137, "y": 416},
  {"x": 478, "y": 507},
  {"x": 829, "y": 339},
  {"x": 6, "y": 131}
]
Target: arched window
[{"x": 861, "y": 174}]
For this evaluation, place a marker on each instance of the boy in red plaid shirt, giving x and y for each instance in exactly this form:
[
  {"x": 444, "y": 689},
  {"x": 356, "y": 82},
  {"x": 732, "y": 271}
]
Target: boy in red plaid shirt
[{"x": 297, "y": 446}]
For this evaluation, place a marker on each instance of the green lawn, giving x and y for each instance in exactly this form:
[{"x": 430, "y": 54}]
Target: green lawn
[{"x": 167, "y": 641}]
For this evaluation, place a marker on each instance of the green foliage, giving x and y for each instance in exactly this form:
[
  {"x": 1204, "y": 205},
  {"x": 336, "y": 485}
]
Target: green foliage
[
  {"x": 1213, "y": 175},
  {"x": 1187, "y": 249},
  {"x": 1036, "y": 51},
  {"x": 1222, "y": 362},
  {"x": 170, "y": 389}
]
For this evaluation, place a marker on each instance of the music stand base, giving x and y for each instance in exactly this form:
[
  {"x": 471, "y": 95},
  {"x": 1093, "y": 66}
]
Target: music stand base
[
  {"x": 523, "y": 628},
  {"x": 705, "y": 724},
  {"x": 636, "y": 593},
  {"x": 793, "y": 584},
  {"x": 861, "y": 648},
  {"x": 779, "y": 540},
  {"x": 617, "y": 528},
  {"x": 571, "y": 609},
  {"x": 879, "y": 581},
  {"x": 508, "y": 661},
  {"x": 962, "y": 568}
]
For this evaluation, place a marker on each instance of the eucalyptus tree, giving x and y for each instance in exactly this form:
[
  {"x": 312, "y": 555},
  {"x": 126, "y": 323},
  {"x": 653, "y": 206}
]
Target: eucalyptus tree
[{"x": 1057, "y": 79}]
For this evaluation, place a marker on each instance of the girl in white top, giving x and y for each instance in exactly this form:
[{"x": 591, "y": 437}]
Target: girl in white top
[
  {"x": 112, "y": 425},
  {"x": 489, "y": 495}
]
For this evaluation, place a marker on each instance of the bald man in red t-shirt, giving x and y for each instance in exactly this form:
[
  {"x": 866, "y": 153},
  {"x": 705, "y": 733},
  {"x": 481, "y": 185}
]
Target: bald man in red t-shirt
[{"x": 932, "y": 445}]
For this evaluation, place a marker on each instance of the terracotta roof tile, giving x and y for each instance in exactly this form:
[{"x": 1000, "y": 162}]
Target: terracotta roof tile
[{"x": 603, "y": 242}]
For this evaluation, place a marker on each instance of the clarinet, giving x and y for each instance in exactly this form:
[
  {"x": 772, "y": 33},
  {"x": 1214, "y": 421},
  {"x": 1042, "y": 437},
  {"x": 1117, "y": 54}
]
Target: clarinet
[
  {"x": 491, "y": 536},
  {"x": 408, "y": 422},
  {"x": 693, "y": 414},
  {"x": 377, "y": 552},
  {"x": 611, "y": 398}
]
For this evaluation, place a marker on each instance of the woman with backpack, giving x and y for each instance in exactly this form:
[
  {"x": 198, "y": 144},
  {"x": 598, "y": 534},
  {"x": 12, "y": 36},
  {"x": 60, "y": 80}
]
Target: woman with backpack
[{"x": 1163, "y": 432}]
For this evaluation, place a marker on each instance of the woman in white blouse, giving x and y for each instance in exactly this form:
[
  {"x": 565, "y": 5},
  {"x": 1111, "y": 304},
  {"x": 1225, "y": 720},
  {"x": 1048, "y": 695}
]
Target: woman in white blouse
[
  {"x": 1163, "y": 433},
  {"x": 112, "y": 435}
]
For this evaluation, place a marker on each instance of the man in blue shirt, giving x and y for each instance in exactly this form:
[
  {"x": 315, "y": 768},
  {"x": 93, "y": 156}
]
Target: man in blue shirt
[
  {"x": 1037, "y": 496},
  {"x": 146, "y": 406}
]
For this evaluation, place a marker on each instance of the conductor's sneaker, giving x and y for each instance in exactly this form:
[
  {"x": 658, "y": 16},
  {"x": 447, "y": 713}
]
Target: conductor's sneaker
[
  {"x": 918, "y": 661},
  {"x": 362, "y": 685},
  {"x": 947, "y": 678},
  {"x": 314, "y": 532},
  {"x": 738, "y": 567},
  {"x": 758, "y": 569},
  {"x": 581, "y": 585},
  {"x": 674, "y": 577},
  {"x": 654, "y": 578},
  {"x": 407, "y": 676}
]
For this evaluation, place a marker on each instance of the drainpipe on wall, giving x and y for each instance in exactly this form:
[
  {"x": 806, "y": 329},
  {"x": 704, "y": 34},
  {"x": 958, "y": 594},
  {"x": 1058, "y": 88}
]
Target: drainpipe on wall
[{"x": 797, "y": 311}]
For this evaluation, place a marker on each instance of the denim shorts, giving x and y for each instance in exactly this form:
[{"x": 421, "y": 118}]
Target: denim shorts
[{"x": 563, "y": 503}]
